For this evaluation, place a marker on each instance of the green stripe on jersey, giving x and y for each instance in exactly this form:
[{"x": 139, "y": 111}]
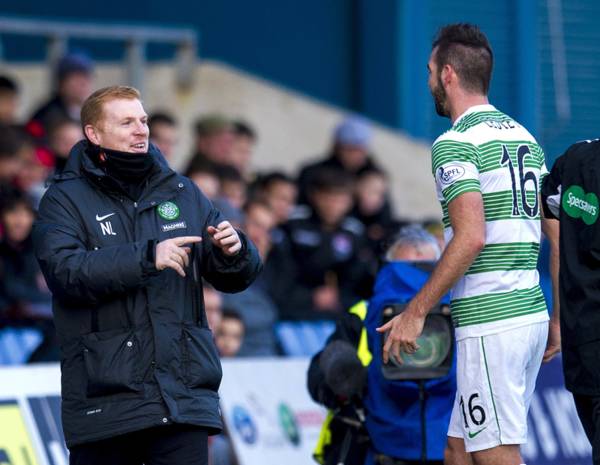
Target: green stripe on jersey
[
  {"x": 491, "y": 153},
  {"x": 476, "y": 118},
  {"x": 487, "y": 308},
  {"x": 460, "y": 187},
  {"x": 502, "y": 257},
  {"x": 499, "y": 205},
  {"x": 447, "y": 151},
  {"x": 496, "y": 205},
  {"x": 508, "y": 159}
]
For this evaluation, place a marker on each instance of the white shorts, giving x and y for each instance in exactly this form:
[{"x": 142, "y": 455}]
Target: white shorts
[{"x": 495, "y": 381}]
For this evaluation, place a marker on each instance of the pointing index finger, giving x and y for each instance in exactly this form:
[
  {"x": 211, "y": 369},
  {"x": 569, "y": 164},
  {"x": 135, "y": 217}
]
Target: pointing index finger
[{"x": 179, "y": 241}]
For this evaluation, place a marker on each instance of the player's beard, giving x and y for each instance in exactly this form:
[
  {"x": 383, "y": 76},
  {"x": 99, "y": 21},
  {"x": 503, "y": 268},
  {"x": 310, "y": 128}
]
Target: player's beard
[{"x": 440, "y": 99}]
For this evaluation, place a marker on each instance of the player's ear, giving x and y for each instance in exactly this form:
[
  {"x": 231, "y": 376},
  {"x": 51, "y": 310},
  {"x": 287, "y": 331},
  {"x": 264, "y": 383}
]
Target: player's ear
[{"x": 447, "y": 74}]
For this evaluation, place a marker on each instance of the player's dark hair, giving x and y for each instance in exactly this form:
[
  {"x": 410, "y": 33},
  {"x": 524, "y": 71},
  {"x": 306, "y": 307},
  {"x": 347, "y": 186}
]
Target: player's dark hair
[{"x": 467, "y": 49}]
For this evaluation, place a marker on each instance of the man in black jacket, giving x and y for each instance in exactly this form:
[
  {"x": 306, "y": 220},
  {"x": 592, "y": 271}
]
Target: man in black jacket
[
  {"x": 570, "y": 194},
  {"x": 123, "y": 242}
]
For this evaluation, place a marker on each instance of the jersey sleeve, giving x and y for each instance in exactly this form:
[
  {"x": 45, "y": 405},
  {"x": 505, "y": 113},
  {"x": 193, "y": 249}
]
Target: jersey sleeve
[
  {"x": 455, "y": 166},
  {"x": 552, "y": 189}
]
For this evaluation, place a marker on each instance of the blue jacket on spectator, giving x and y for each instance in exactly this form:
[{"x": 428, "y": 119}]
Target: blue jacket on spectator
[{"x": 393, "y": 417}]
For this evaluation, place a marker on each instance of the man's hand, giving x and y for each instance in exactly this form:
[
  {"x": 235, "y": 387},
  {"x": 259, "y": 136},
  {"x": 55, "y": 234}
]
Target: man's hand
[
  {"x": 226, "y": 238},
  {"x": 172, "y": 253},
  {"x": 404, "y": 330},
  {"x": 553, "y": 345}
]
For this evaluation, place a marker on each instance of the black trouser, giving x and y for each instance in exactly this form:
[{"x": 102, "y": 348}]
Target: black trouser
[
  {"x": 588, "y": 409},
  {"x": 163, "y": 445}
]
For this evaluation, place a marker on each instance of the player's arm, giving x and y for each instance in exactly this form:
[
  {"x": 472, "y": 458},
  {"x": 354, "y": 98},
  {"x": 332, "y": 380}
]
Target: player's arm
[
  {"x": 468, "y": 223},
  {"x": 550, "y": 227},
  {"x": 550, "y": 200}
]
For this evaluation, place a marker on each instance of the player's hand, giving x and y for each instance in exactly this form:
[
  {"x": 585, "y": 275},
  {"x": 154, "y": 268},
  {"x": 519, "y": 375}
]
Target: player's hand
[
  {"x": 173, "y": 253},
  {"x": 404, "y": 329},
  {"x": 553, "y": 345},
  {"x": 226, "y": 238}
]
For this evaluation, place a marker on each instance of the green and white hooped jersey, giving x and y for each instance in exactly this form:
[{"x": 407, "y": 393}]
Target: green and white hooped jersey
[{"x": 487, "y": 151}]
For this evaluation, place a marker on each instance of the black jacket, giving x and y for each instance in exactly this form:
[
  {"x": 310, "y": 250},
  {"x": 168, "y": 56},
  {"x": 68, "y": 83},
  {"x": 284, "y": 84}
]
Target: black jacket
[
  {"x": 136, "y": 350},
  {"x": 570, "y": 193},
  {"x": 310, "y": 255}
]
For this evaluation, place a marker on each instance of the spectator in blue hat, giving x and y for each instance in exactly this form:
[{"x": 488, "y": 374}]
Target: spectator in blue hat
[
  {"x": 74, "y": 77},
  {"x": 349, "y": 152}
]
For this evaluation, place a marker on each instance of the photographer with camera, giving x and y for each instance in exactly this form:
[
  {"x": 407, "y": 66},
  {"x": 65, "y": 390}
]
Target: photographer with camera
[{"x": 385, "y": 414}]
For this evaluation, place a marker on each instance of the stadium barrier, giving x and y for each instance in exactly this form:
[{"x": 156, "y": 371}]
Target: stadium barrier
[{"x": 269, "y": 415}]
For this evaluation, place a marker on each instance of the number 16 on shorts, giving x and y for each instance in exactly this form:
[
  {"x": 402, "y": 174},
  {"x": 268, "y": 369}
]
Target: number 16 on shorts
[
  {"x": 473, "y": 414},
  {"x": 474, "y": 420}
]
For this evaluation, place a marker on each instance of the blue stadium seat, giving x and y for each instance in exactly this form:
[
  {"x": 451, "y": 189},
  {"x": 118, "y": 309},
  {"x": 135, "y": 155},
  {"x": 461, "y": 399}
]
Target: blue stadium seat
[
  {"x": 17, "y": 344},
  {"x": 303, "y": 338}
]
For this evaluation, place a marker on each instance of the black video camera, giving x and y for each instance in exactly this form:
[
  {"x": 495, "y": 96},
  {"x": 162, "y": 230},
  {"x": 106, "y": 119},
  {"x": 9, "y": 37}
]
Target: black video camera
[{"x": 434, "y": 357}]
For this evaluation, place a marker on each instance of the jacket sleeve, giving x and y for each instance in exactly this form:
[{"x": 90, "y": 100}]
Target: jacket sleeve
[
  {"x": 225, "y": 273},
  {"x": 551, "y": 190},
  {"x": 71, "y": 270}
]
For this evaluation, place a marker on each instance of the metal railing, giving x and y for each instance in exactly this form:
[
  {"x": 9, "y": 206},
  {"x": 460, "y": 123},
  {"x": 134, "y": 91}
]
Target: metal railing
[{"x": 134, "y": 38}]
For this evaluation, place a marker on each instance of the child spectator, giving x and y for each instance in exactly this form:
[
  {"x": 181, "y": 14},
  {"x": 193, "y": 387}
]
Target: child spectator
[
  {"x": 63, "y": 134},
  {"x": 74, "y": 76},
  {"x": 12, "y": 144},
  {"x": 233, "y": 186},
  {"x": 203, "y": 174},
  {"x": 213, "y": 306},
  {"x": 36, "y": 165},
  {"x": 244, "y": 140},
  {"x": 163, "y": 134},
  {"x": 373, "y": 209},
  {"x": 254, "y": 304},
  {"x": 230, "y": 334},
  {"x": 9, "y": 100},
  {"x": 23, "y": 291},
  {"x": 279, "y": 191},
  {"x": 324, "y": 252}
]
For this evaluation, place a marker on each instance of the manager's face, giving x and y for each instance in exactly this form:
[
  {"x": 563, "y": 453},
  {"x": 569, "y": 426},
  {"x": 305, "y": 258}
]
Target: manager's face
[{"x": 123, "y": 126}]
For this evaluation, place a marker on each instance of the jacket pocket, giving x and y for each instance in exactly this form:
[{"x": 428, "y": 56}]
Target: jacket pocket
[
  {"x": 111, "y": 363},
  {"x": 202, "y": 364}
]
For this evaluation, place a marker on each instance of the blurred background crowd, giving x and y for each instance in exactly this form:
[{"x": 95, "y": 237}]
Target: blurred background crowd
[
  {"x": 320, "y": 230},
  {"x": 307, "y": 124}
]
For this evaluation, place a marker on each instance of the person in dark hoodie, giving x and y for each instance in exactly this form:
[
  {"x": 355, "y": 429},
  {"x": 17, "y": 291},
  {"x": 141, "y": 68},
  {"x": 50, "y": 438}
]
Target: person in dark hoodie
[{"x": 123, "y": 242}]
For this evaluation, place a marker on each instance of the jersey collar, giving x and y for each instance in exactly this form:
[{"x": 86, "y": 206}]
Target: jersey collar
[{"x": 475, "y": 109}]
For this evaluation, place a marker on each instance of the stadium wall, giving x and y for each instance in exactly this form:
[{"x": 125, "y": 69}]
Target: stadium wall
[{"x": 370, "y": 56}]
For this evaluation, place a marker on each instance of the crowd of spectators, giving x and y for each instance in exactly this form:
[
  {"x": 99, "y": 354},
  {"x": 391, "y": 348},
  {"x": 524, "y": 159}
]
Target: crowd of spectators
[{"x": 320, "y": 229}]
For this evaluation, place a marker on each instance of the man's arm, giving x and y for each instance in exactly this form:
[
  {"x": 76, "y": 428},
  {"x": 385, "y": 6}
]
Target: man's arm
[
  {"x": 468, "y": 223},
  {"x": 550, "y": 200},
  {"x": 230, "y": 261},
  {"x": 550, "y": 227},
  {"x": 75, "y": 273}
]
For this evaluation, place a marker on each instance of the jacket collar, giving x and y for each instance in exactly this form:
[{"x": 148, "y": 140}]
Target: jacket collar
[{"x": 162, "y": 183}]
